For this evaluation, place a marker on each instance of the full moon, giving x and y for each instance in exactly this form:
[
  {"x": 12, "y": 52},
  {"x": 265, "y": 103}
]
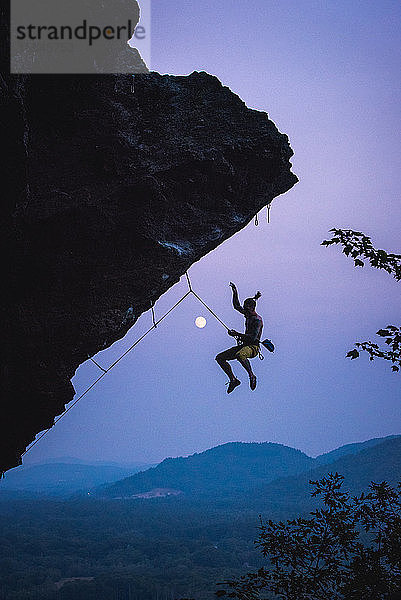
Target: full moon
[{"x": 200, "y": 322}]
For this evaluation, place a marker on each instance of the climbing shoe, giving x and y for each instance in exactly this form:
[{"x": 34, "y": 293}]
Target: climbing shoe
[
  {"x": 252, "y": 382},
  {"x": 232, "y": 385}
]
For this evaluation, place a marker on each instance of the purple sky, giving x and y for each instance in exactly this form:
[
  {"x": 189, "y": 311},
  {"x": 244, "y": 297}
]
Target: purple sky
[{"x": 327, "y": 73}]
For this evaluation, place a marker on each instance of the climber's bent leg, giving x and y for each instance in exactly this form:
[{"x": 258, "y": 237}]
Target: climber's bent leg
[
  {"x": 243, "y": 356},
  {"x": 225, "y": 356},
  {"x": 247, "y": 365}
]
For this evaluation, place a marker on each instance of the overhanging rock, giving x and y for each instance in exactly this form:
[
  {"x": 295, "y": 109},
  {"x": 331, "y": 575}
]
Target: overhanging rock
[{"x": 121, "y": 184}]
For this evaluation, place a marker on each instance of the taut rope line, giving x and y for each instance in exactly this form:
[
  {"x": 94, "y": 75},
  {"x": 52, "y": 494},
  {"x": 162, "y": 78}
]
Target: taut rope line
[
  {"x": 204, "y": 303},
  {"x": 97, "y": 364},
  {"x": 209, "y": 309},
  {"x": 105, "y": 371}
]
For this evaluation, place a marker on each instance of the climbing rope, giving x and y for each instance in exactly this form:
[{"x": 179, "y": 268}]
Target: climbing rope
[
  {"x": 97, "y": 364},
  {"x": 204, "y": 303},
  {"x": 105, "y": 371}
]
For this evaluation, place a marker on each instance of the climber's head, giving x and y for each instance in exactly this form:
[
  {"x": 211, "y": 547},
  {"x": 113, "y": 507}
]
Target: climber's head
[{"x": 250, "y": 303}]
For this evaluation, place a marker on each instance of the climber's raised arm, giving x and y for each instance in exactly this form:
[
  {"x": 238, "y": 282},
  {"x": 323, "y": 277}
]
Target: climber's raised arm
[{"x": 236, "y": 302}]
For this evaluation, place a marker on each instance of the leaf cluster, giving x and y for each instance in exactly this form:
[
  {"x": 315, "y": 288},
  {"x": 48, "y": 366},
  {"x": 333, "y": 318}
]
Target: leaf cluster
[
  {"x": 393, "y": 340},
  {"x": 323, "y": 557},
  {"x": 359, "y": 246}
]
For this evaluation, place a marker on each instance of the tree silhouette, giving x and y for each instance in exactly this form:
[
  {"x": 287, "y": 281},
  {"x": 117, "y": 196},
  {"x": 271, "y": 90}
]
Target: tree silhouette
[
  {"x": 348, "y": 550},
  {"x": 359, "y": 246}
]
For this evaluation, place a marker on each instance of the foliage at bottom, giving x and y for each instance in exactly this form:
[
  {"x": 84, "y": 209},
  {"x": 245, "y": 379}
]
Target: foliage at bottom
[{"x": 350, "y": 549}]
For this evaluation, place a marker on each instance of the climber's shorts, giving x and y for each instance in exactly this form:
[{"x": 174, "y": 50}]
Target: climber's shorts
[
  {"x": 247, "y": 352},
  {"x": 239, "y": 352}
]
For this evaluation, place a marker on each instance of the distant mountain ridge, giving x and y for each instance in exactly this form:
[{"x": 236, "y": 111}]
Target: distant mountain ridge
[
  {"x": 160, "y": 536},
  {"x": 240, "y": 468},
  {"x": 63, "y": 478},
  {"x": 233, "y": 471},
  {"x": 329, "y": 457},
  {"x": 379, "y": 462},
  {"x": 73, "y": 460},
  {"x": 224, "y": 469}
]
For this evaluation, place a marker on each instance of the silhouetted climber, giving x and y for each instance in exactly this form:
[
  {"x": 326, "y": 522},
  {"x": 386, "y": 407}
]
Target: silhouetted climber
[{"x": 247, "y": 343}]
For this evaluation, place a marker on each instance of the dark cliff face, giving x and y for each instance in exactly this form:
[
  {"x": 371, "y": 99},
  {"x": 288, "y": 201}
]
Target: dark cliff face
[{"x": 117, "y": 190}]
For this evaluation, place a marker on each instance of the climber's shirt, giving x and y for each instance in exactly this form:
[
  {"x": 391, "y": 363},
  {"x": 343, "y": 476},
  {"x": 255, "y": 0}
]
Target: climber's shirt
[{"x": 253, "y": 327}]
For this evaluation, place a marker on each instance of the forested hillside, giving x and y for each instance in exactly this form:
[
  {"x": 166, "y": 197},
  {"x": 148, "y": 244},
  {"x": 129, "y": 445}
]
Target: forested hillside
[
  {"x": 92, "y": 548},
  {"x": 225, "y": 469}
]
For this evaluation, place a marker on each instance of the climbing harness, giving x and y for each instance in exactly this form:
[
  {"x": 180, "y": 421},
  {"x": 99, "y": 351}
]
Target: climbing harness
[
  {"x": 105, "y": 371},
  {"x": 258, "y": 354}
]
